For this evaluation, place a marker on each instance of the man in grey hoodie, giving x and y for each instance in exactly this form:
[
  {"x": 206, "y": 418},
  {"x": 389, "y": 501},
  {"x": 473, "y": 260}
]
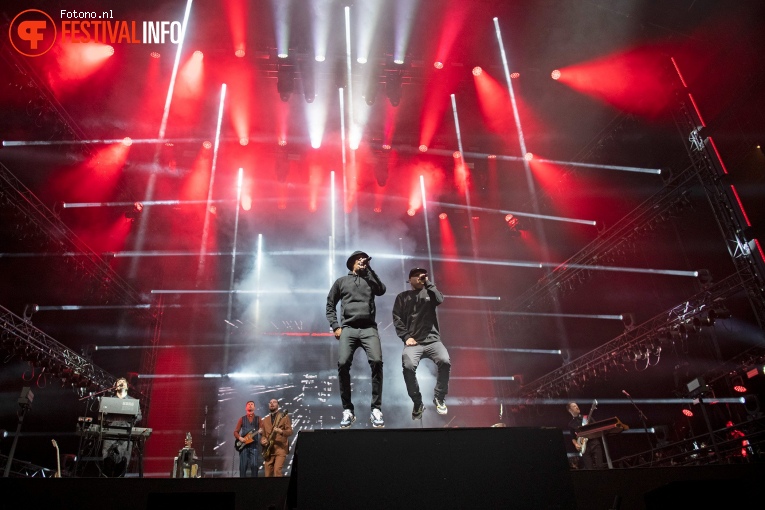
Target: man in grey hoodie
[{"x": 358, "y": 328}]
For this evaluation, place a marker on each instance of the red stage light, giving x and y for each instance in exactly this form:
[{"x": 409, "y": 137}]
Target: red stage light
[
  {"x": 199, "y": 54},
  {"x": 127, "y": 141},
  {"x": 555, "y": 74},
  {"x": 154, "y": 54},
  {"x": 410, "y": 212},
  {"x": 492, "y": 156},
  {"x": 456, "y": 154},
  {"x": 442, "y": 216},
  {"x": 688, "y": 413},
  {"x": 244, "y": 141},
  {"x": 423, "y": 148},
  {"x": 515, "y": 75},
  {"x": 110, "y": 50},
  {"x": 386, "y": 147},
  {"x": 477, "y": 71},
  {"x": 207, "y": 144},
  {"x": 378, "y": 209},
  {"x": 739, "y": 388},
  {"x": 213, "y": 209},
  {"x": 168, "y": 144},
  {"x": 239, "y": 53},
  {"x": 509, "y": 217},
  {"x": 528, "y": 156},
  {"x": 282, "y": 142},
  {"x": 438, "y": 65}
]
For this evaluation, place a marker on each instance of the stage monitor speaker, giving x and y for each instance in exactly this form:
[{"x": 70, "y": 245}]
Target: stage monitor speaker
[{"x": 431, "y": 468}]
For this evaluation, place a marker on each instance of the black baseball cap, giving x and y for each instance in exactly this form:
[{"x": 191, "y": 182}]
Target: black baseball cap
[
  {"x": 417, "y": 271},
  {"x": 355, "y": 255}
]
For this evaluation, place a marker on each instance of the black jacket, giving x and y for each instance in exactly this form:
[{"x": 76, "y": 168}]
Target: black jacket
[
  {"x": 414, "y": 314},
  {"x": 358, "y": 300}
]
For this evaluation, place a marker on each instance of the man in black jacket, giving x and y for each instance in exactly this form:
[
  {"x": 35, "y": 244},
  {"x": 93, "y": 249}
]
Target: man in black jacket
[
  {"x": 416, "y": 322},
  {"x": 357, "y": 291}
]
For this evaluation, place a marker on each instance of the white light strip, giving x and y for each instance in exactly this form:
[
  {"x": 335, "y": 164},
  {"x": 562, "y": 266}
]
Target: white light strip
[
  {"x": 176, "y": 64},
  {"x": 508, "y": 349},
  {"x": 670, "y": 272},
  {"x": 206, "y": 226},
  {"x": 74, "y": 205},
  {"x": 427, "y": 226},
  {"x": 239, "y": 291},
  {"x": 655, "y": 171},
  {"x": 516, "y": 213},
  {"x": 564, "y": 315},
  {"x": 484, "y": 298}
]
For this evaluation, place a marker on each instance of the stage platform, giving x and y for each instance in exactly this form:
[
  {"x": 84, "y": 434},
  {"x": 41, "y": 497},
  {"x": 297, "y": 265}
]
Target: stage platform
[{"x": 423, "y": 469}]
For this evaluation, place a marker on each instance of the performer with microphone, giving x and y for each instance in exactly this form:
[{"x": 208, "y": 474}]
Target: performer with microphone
[
  {"x": 416, "y": 322},
  {"x": 357, "y": 291}
]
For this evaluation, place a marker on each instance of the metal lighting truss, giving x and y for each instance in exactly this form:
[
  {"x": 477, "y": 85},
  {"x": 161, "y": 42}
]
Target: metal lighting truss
[
  {"x": 651, "y": 334},
  {"x": 730, "y": 217},
  {"x": 63, "y": 239},
  {"x": 609, "y": 243},
  {"x": 34, "y": 345}
]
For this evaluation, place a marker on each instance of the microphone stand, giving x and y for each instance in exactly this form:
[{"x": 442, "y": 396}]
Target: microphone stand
[
  {"x": 643, "y": 420},
  {"x": 204, "y": 442},
  {"x": 91, "y": 395}
]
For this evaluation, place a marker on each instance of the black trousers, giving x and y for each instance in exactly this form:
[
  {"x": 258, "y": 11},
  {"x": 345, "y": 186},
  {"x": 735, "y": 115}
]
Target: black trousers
[{"x": 350, "y": 340}]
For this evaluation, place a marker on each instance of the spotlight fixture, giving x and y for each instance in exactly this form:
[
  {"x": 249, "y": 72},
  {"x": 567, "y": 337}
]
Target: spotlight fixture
[
  {"x": 423, "y": 148},
  {"x": 438, "y": 65},
  {"x": 307, "y": 80},
  {"x": 477, "y": 71},
  {"x": 207, "y": 144},
  {"x": 442, "y": 216},
  {"x": 135, "y": 212},
  {"x": 239, "y": 53},
  {"x": 370, "y": 94},
  {"x": 737, "y": 383},
  {"x": 285, "y": 83},
  {"x": 393, "y": 82},
  {"x": 555, "y": 74},
  {"x": 515, "y": 75}
]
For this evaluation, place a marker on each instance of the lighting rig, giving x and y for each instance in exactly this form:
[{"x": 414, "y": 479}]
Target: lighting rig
[
  {"x": 18, "y": 336},
  {"x": 641, "y": 344}
]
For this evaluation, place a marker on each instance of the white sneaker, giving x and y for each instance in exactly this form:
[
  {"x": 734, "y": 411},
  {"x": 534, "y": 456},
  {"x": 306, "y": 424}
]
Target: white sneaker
[
  {"x": 348, "y": 419},
  {"x": 377, "y": 418}
]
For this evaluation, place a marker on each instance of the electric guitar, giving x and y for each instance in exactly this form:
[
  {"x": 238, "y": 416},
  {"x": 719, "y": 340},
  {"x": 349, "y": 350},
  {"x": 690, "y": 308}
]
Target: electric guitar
[
  {"x": 582, "y": 441},
  {"x": 58, "y": 459},
  {"x": 247, "y": 438},
  {"x": 268, "y": 448}
]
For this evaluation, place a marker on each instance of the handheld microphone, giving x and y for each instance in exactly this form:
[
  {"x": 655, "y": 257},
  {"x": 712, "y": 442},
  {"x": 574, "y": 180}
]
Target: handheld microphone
[{"x": 625, "y": 392}]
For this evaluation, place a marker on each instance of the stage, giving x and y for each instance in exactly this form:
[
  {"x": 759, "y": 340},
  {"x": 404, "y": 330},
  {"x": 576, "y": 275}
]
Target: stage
[{"x": 429, "y": 468}]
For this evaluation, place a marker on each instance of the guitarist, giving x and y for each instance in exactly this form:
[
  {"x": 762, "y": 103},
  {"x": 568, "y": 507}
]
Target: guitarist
[
  {"x": 277, "y": 427},
  {"x": 245, "y": 432},
  {"x": 592, "y": 458}
]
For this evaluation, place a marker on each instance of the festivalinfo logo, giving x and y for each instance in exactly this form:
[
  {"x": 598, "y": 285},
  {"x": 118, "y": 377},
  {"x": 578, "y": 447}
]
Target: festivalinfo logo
[{"x": 34, "y": 32}]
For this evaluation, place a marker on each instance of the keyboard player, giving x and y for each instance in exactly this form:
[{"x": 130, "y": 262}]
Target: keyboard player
[{"x": 116, "y": 452}]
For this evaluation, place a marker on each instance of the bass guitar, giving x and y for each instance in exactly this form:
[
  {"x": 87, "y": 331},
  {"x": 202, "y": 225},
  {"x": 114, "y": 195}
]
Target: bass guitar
[
  {"x": 247, "y": 438},
  {"x": 269, "y": 447},
  {"x": 58, "y": 459},
  {"x": 582, "y": 441}
]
